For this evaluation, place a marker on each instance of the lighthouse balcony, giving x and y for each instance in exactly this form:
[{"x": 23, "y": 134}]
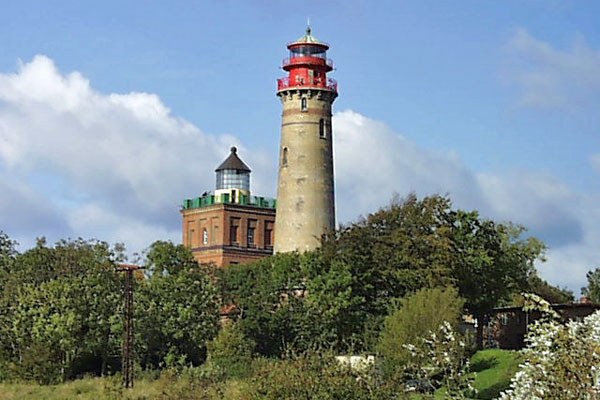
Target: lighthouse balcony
[
  {"x": 307, "y": 60},
  {"x": 316, "y": 83}
]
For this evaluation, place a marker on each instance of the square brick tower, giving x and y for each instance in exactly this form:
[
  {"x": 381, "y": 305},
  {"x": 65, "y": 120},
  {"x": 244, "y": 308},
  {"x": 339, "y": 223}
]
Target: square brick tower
[{"x": 229, "y": 226}]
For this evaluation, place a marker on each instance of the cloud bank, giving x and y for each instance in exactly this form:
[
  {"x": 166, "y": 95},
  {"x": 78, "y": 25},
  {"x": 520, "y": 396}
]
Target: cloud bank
[
  {"x": 76, "y": 162},
  {"x": 551, "y": 78}
]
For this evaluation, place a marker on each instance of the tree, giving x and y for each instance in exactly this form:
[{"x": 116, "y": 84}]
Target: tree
[
  {"x": 552, "y": 294},
  {"x": 592, "y": 290},
  {"x": 425, "y": 243},
  {"x": 268, "y": 295},
  {"x": 65, "y": 319},
  {"x": 489, "y": 262},
  {"x": 176, "y": 309},
  {"x": 338, "y": 295},
  {"x": 231, "y": 352},
  {"x": 416, "y": 317}
]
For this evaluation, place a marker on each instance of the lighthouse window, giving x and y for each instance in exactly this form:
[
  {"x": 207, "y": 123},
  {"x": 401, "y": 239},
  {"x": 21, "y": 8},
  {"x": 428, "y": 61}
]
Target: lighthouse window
[
  {"x": 322, "y": 132},
  {"x": 304, "y": 104},
  {"x": 284, "y": 157}
]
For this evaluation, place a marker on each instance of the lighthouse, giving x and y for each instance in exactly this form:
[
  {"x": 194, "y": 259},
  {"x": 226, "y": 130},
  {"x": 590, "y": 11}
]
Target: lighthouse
[{"x": 305, "y": 186}]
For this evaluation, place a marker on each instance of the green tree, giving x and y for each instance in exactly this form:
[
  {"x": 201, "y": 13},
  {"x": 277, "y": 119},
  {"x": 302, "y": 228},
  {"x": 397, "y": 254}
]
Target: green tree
[
  {"x": 592, "y": 290},
  {"x": 67, "y": 317},
  {"x": 416, "y": 317},
  {"x": 268, "y": 294},
  {"x": 338, "y": 295},
  {"x": 489, "y": 261},
  {"x": 552, "y": 294},
  {"x": 231, "y": 351},
  {"x": 176, "y": 309},
  {"x": 164, "y": 257},
  {"x": 425, "y": 243}
]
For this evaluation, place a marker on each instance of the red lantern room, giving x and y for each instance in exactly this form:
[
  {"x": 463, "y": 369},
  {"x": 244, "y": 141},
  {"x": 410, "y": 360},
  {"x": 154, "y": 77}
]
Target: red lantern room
[{"x": 307, "y": 65}]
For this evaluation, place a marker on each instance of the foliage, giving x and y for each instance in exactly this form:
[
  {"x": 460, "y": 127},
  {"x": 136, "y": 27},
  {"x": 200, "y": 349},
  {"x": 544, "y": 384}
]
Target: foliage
[
  {"x": 552, "y": 294},
  {"x": 338, "y": 296},
  {"x": 416, "y": 317},
  {"x": 60, "y": 311},
  {"x": 592, "y": 290},
  {"x": 269, "y": 296},
  {"x": 164, "y": 258},
  {"x": 560, "y": 361},
  {"x": 231, "y": 351},
  {"x": 176, "y": 311},
  {"x": 318, "y": 376},
  {"x": 416, "y": 244},
  {"x": 441, "y": 358}
]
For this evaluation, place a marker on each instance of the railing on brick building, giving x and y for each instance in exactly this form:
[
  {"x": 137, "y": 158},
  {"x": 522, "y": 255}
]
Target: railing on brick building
[{"x": 245, "y": 200}]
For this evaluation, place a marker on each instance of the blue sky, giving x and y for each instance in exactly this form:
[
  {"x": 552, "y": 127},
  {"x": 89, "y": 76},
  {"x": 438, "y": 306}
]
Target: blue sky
[{"x": 112, "y": 112}]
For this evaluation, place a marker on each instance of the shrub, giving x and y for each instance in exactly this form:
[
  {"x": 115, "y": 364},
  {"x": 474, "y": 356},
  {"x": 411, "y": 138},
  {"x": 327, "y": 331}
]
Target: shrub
[
  {"x": 231, "y": 351},
  {"x": 560, "y": 361},
  {"x": 415, "y": 318},
  {"x": 318, "y": 376}
]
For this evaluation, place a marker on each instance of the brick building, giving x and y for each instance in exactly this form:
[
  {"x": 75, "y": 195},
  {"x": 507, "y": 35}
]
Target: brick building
[{"x": 229, "y": 226}]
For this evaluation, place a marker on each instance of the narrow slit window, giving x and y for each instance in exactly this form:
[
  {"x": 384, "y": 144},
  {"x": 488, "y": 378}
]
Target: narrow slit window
[
  {"x": 304, "y": 104},
  {"x": 284, "y": 157},
  {"x": 322, "y": 132}
]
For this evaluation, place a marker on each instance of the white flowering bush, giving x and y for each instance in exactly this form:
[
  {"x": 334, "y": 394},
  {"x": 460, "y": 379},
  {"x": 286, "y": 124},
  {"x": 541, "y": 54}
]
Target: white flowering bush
[
  {"x": 442, "y": 360},
  {"x": 561, "y": 361}
]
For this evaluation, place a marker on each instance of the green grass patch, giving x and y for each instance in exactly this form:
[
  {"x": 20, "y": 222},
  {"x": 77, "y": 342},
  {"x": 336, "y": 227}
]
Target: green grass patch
[{"x": 495, "y": 368}]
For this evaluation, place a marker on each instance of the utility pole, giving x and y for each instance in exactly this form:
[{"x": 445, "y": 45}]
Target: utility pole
[{"x": 127, "y": 357}]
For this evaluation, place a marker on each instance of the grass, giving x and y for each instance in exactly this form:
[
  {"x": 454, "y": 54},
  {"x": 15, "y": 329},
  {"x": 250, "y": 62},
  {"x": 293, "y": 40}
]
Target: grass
[
  {"x": 81, "y": 389},
  {"x": 110, "y": 389},
  {"x": 495, "y": 368}
]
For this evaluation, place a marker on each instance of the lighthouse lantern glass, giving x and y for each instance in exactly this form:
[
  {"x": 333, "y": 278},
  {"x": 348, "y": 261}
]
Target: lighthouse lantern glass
[
  {"x": 310, "y": 51},
  {"x": 233, "y": 179}
]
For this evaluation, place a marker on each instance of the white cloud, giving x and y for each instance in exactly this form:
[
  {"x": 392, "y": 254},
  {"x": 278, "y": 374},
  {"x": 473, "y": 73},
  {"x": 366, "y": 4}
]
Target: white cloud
[
  {"x": 124, "y": 153},
  {"x": 372, "y": 163},
  {"x": 554, "y": 78}
]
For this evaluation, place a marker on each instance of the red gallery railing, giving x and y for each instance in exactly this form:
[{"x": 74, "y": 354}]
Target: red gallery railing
[{"x": 317, "y": 83}]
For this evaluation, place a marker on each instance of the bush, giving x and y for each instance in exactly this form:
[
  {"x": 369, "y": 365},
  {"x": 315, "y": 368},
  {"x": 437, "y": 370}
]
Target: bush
[
  {"x": 231, "y": 351},
  {"x": 318, "y": 376},
  {"x": 415, "y": 318},
  {"x": 560, "y": 361}
]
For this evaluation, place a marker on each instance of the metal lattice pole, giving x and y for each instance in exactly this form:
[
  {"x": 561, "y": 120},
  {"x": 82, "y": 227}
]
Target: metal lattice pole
[{"x": 127, "y": 366}]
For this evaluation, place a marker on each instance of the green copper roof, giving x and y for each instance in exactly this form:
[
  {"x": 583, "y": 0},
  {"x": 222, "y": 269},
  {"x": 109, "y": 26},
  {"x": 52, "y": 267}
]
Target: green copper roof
[{"x": 308, "y": 39}]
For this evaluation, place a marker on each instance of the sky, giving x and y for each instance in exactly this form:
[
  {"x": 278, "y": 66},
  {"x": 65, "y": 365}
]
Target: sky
[{"x": 113, "y": 112}]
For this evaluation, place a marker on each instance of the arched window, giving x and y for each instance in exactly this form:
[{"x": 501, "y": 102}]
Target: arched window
[
  {"x": 304, "y": 104},
  {"x": 204, "y": 236},
  {"x": 322, "y": 133},
  {"x": 284, "y": 157}
]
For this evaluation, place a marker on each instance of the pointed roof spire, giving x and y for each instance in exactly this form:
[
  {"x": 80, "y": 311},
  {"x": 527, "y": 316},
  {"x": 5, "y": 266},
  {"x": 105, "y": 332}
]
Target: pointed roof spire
[
  {"x": 233, "y": 162},
  {"x": 308, "y": 38}
]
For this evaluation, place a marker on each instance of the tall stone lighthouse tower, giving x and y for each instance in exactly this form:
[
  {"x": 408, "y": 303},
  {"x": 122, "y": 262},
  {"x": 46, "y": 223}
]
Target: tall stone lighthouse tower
[{"x": 305, "y": 190}]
